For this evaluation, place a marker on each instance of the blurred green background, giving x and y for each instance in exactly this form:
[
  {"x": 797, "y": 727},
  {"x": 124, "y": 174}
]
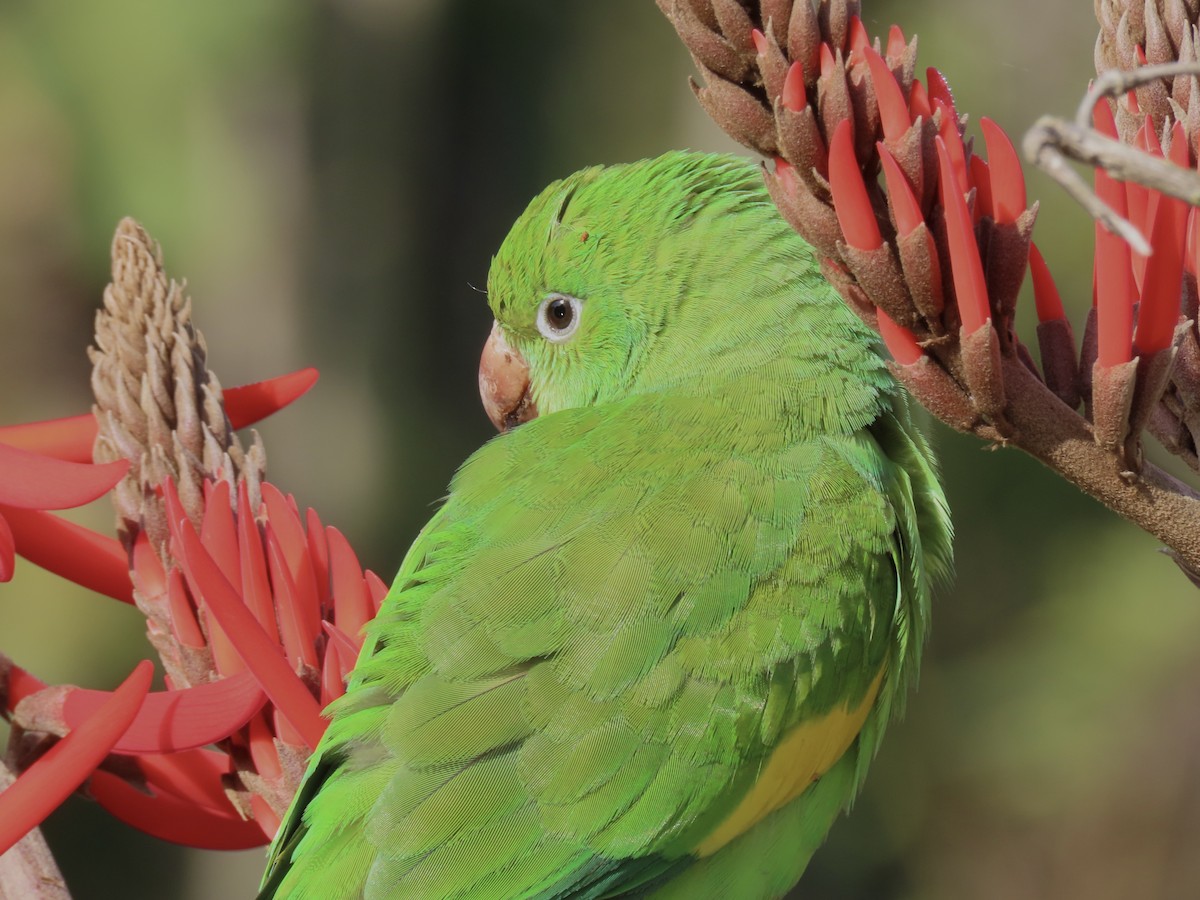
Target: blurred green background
[{"x": 332, "y": 178}]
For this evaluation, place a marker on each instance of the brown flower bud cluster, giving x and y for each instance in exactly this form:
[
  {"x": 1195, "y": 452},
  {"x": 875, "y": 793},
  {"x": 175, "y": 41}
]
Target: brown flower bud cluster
[{"x": 1136, "y": 33}]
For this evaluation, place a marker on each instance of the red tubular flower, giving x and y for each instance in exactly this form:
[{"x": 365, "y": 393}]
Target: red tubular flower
[
  {"x": 965, "y": 265},
  {"x": 1114, "y": 275},
  {"x": 939, "y": 89},
  {"x": 1159, "y": 310},
  {"x": 72, "y": 438},
  {"x": 793, "y": 96},
  {"x": 893, "y": 109},
  {"x": 50, "y": 780},
  {"x": 919, "y": 105},
  {"x": 1006, "y": 183},
  {"x": 901, "y": 342},
  {"x": 1045, "y": 293},
  {"x": 904, "y": 203},
  {"x": 265, "y": 593},
  {"x": 33, "y": 482},
  {"x": 850, "y": 200}
]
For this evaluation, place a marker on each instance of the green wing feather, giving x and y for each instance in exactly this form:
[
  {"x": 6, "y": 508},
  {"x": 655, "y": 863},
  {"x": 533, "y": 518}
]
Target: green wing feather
[{"x": 594, "y": 647}]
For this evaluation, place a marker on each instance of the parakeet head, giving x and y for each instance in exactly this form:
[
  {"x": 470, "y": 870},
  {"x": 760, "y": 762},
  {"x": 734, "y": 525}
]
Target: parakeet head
[{"x": 632, "y": 278}]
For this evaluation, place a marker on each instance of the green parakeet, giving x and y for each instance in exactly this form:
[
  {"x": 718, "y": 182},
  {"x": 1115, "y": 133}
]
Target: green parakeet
[{"x": 649, "y": 644}]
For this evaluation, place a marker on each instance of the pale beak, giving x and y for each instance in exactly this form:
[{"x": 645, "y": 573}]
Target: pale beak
[{"x": 504, "y": 383}]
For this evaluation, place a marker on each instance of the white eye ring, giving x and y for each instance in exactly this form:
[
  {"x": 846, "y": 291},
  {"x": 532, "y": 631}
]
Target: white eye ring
[{"x": 558, "y": 317}]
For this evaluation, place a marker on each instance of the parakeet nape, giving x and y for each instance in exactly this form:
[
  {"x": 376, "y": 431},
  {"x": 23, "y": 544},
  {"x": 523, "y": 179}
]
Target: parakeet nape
[{"x": 649, "y": 644}]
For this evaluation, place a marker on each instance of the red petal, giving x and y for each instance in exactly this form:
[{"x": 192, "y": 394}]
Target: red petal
[
  {"x": 970, "y": 289},
  {"x": 352, "y": 607},
  {"x": 919, "y": 106},
  {"x": 794, "y": 97},
  {"x": 50, "y": 780},
  {"x": 850, "y": 200},
  {"x": 78, "y": 554},
  {"x": 1138, "y": 201},
  {"x": 218, "y": 533},
  {"x": 901, "y": 342},
  {"x": 1007, "y": 179},
  {"x": 826, "y": 60},
  {"x": 256, "y": 585},
  {"x": 249, "y": 403},
  {"x": 262, "y": 749},
  {"x": 1113, "y": 274},
  {"x": 347, "y": 647},
  {"x": 148, "y": 574},
  {"x": 904, "y": 203},
  {"x": 1193, "y": 241},
  {"x": 379, "y": 590},
  {"x": 21, "y": 685},
  {"x": 1045, "y": 293},
  {"x": 33, "y": 481},
  {"x": 981, "y": 179},
  {"x": 219, "y": 536},
  {"x": 1159, "y": 311},
  {"x": 1114, "y": 282},
  {"x": 285, "y": 732},
  {"x": 298, "y": 641},
  {"x": 183, "y": 614},
  {"x": 1102, "y": 118},
  {"x": 760, "y": 41},
  {"x": 194, "y": 776},
  {"x": 262, "y": 656},
  {"x": 177, "y": 720},
  {"x": 8, "y": 549},
  {"x": 893, "y": 110},
  {"x": 264, "y": 815},
  {"x": 954, "y": 145},
  {"x": 939, "y": 89},
  {"x": 70, "y": 439},
  {"x": 332, "y": 685},
  {"x": 283, "y": 520},
  {"x": 174, "y": 820},
  {"x": 857, "y": 36},
  {"x": 896, "y": 44},
  {"x": 318, "y": 558}
]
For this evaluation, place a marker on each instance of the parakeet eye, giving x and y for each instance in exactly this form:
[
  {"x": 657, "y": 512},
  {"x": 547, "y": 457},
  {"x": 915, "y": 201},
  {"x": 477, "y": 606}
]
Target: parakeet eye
[{"x": 558, "y": 317}]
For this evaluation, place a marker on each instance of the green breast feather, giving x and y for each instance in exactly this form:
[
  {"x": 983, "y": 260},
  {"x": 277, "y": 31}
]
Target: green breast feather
[{"x": 650, "y": 643}]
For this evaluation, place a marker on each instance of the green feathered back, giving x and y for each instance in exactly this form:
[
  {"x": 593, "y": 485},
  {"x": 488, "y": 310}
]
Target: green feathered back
[{"x": 717, "y": 538}]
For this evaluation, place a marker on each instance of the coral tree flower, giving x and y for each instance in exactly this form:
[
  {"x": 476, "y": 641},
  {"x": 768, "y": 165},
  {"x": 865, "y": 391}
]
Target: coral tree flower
[
  {"x": 256, "y": 609},
  {"x": 930, "y": 242}
]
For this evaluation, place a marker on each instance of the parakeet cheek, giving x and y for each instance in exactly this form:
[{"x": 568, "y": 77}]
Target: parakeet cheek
[{"x": 504, "y": 383}]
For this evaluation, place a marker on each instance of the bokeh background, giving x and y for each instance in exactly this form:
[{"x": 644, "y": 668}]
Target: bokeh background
[{"x": 332, "y": 178}]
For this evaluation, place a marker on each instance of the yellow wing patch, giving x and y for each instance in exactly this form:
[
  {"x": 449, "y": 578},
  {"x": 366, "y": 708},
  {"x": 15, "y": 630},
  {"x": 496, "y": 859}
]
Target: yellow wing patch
[{"x": 806, "y": 753}]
